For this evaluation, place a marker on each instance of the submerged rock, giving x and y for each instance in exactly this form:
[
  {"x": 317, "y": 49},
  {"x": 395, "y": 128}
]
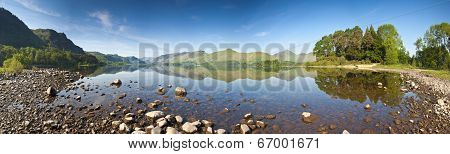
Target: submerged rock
[
  {"x": 180, "y": 91},
  {"x": 308, "y": 117},
  {"x": 367, "y": 107},
  {"x": 161, "y": 91},
  {"x": 116, "y": 82}
]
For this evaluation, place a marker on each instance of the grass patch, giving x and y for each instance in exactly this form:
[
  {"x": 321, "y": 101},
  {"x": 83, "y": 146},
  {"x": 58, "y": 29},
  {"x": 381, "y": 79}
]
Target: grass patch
[
  {"x": 443, "y": 74},
  {"x": 396, "y": 66}
]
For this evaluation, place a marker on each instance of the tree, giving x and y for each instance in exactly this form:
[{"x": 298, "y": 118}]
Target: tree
[
  {"x": 391, "y": 43},
  {"x": 324, "y": 47},
  {"x": 371, "y": 45},
  {"x": 433, "y": 48}
]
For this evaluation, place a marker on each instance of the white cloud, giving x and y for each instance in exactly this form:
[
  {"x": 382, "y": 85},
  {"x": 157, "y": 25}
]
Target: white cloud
[
  {"x": 103, "y": 17},
  {"x": 29, "y": 4},
  {"x": 261, "y": 34}
]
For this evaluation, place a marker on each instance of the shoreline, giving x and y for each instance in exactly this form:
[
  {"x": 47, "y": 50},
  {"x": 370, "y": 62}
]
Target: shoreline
[{"x": 25, "y": 108}]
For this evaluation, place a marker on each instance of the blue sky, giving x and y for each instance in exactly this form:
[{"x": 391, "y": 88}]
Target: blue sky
[{"x": 118, "y": 27}]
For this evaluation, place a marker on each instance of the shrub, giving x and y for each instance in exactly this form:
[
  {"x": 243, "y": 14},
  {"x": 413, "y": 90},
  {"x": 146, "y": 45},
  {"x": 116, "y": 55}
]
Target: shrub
[{"x": 12, "y": 65}]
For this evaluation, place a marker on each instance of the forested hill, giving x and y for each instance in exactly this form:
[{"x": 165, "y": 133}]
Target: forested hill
[
  {"x": 14, "y": 32},
  {"x": 57, "y": 40}
]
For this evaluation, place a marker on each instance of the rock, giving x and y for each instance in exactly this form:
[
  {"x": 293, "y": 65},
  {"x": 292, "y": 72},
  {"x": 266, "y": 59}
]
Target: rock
[
  {"x": 308, "y": 117},
  {"x": 380, "y": 84},
  {"x": 244, "y": 129},
  {"x": 248, "y": 116},
  {"x": 180, "y": 91},
  {"x": 116, "y": 82},
  {"x": 49, "y": 122},
  {"x": 138, "y": 100},
  {"x": 51, "y": 91},
  {"x": 78, "y": 98},
  {"x": 345, "y": 132},
  {"x": 138, "y": 132},
  {"x": 367, "y": 107},
  {"x": 397, "y": 122},
  {"x": 161, "y": 122},
  {"x": 270, "y": 116},
  {"x": 196, "y": 123},
  {"x": 161, "y": 91},
  {"x": 148, "y": 129},
  {"x": 225, "y": 110},
  {"x": 189, "y": 128},
  {"x": 179, "y": 119},
  {"x": 115, "y": 124},
  {"x": 304, "y": 105},
  {"x": 260, "y": 124},
  {"x": 441, "y": 102},
  {"x": 221, "y": 131},
  {"x": 124, "y": 128},
  {"x": 123, "y": 95},
  {"x": 333, "y": 126},
  {"x": 207, "y": 123},
  {"x": 209, "y": 130},
  {"x": 26, "y": 123},
  {"x": 152, "y": 105},
  {"x": 128, "y": 118},
  {"x": 171, "y": 130},
  {"x": 155, "y": 114},
  {"x": 156, "y": 130}
]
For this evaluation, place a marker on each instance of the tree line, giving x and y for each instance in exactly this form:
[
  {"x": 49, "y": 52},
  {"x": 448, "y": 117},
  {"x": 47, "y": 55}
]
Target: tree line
[
  {"x": 11, "y": 57},
  {"x": 385, "y": 46}
]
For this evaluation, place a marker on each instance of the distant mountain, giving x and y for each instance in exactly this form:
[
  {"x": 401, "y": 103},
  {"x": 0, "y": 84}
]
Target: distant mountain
[
  {"x": 14, "y": 32},
  {"x": 57, "y": 40},
  {"x": 111, "y": 59},
  {"x": 229, "y": 55}
]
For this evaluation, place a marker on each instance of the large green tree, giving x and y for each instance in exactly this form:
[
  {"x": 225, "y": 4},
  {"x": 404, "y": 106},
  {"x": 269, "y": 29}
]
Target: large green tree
[
  {"x": 433, "y": 48},
  {"x": 391, "y": 42},
  {"x": 324, "y": 47}
]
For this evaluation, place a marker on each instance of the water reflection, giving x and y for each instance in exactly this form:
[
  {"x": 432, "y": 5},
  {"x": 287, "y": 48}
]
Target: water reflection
[{"x": 360, "y": 85}]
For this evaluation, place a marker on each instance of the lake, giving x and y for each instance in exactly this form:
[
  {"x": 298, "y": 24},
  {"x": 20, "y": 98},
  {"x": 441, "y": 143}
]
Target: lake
[{"x": 336, "y": 97}]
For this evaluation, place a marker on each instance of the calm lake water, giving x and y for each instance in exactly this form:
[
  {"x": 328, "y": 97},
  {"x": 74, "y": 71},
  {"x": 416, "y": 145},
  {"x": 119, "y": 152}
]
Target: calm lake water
[{"x": 336, "y": 96}]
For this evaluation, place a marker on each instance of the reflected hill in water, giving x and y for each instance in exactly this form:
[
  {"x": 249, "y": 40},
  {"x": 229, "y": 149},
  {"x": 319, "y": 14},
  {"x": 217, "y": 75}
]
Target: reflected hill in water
[
  {"x": 230, "y": 75},
  {"x": 355, "y": 85},
  {"x": 360, "y": 85}
]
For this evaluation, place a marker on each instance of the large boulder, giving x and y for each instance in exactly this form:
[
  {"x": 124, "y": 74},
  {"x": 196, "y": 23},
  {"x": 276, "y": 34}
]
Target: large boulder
[{"x": 51, "y": 91}]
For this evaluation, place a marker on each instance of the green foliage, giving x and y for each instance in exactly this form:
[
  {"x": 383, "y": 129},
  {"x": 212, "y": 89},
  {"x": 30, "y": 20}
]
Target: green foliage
[
  {"x": 13, "y": 65},
  {"x": 47, "y": 57},
  {"x": 433, "y": 48},
  {"x": 114, "y": 59},
  {"x": 384, "y": 46}
]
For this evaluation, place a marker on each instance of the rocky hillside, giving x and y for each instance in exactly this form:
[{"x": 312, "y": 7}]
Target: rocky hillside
[
  {"x": 57, "y": 40},
  {"x": 14, "y": 32}
]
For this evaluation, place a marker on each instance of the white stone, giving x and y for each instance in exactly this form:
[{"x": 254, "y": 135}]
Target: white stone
[
  {"x": 189, "y": 128},
  {"x": 245, "y": 129},
  {"x": 221, "y": 131},
  {"x": 155, "y": 114},
  {"x": 179, "y": 119},
  {"x": 345, "y": 132},
  {"x": 124, "y": 128},
  {"x": 138, "y": 132},
  {"x": 171, "y": 130},
  {"x": 306, "y": 114}
]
